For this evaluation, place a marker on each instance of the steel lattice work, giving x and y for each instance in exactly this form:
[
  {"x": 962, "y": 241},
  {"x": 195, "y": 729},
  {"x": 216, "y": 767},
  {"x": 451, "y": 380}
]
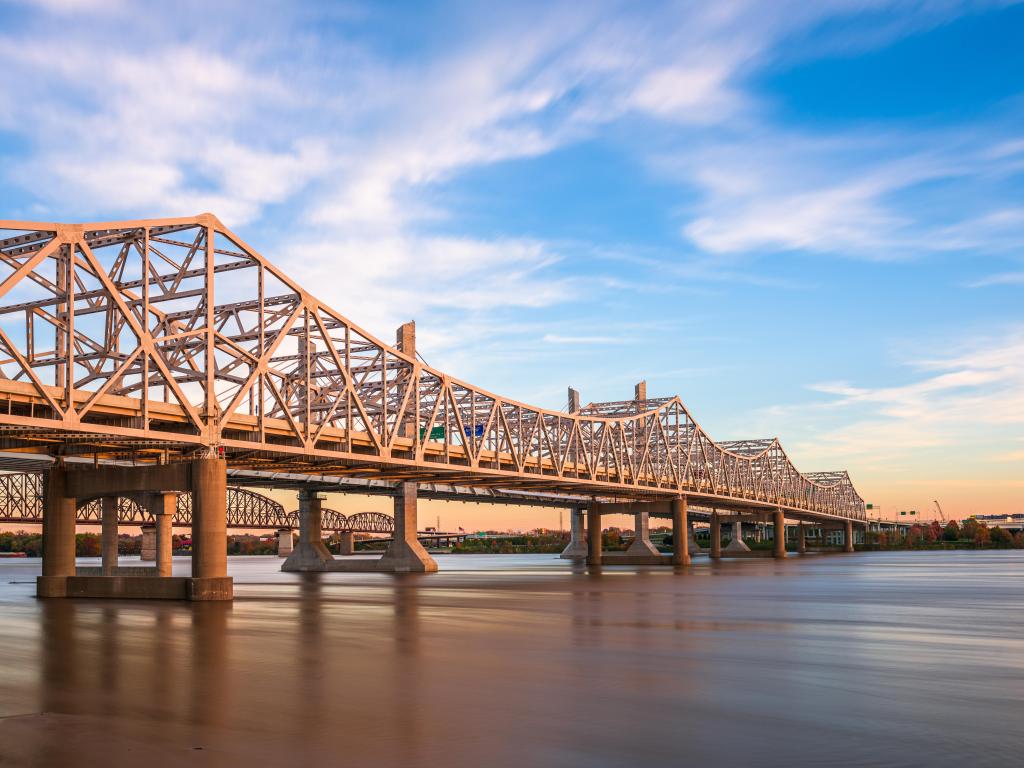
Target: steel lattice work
[
  {"x": 171, "y": 337},
  {"x": 21, "y": 502}
]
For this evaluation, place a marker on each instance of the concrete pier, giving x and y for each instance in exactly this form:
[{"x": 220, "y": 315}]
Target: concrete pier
[
  {"x": 148, "y": 552},
  {"x": 406, "y": 554},
  {"x": 680, "y": 526},
  {"x": 716, "y": 536},
  {"x": 577, "y": 546},
  {"x": 162, "y": 506},
  {"x": 58, "y": 535},
  {"x": 311, "y": 554},
  {"x": 108, "y": 535},
  {"x": 594, "y": 535},
  {"x": 737, "y": 544},
  {"x": 801, "y": 539},
  {"x": 206, "y": 479},
  {"x": 779, "y": 534},
  {"x": 347, "y": 544},
  {"x": 691, "y": 540},
  {"x": 642, "y": 546},
  {"x": 285, "y": 542},
  {"x": 848, "y": 537}
]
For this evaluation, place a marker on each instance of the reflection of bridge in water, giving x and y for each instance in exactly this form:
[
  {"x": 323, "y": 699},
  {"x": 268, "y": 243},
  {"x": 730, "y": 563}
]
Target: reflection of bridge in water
[{"x": 147, "y": 359}]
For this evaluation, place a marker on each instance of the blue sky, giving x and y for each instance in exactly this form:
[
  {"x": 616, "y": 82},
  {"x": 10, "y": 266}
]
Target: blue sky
[{"x": 804, "y": 218}]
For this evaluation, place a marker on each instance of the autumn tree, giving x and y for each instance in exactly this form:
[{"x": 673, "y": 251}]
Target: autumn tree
[
  {"x": 951, "y": 532},
  {"x": 982, "y": 535}
]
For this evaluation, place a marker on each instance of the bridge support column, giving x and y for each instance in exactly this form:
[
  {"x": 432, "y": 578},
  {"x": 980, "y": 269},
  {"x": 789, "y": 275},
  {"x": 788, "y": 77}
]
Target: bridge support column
[
  {"x": 779, "y": 534},
  {"x": 594, "y": 535},
  {"x": 848, "y": 537},
  {"x": 58, "y": 535},
  {"x": 108, "y": 534},
  {"x": 801, "y": 539},
  {"x": 163, "y": 505},
  {"x": 737, "y": 544},
  {"x": 716, "y": 536},
  {"x": 311, "y": 554},
  {"x": 148, "y": 551},
  {"x": 680, "y": 526},
  {"x": 406, "y": 554},
  {"x": 577, "y": 547},
  {"x": 642, "y": 545},
  {"x": 285, "y": 542},
  {"x": 347, "y": 545},
  {"x": 210, "y": 580}
]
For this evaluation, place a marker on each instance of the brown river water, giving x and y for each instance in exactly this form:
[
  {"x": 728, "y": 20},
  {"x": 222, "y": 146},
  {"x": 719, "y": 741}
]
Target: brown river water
[{"x": 870, "y": 659}]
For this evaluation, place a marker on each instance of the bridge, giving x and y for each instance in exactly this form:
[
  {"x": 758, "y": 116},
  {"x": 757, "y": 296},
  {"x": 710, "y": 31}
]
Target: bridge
[
  {"x": 21, "y": 502},
  {"x": 169, "y": 352}
]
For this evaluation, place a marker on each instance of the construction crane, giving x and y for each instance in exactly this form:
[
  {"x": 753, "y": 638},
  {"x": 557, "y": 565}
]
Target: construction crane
[{"x": 938, "y": 506}]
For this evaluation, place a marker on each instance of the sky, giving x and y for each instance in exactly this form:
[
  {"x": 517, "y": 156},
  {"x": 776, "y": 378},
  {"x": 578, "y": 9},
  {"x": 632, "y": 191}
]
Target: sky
[{"x": 806, "y": 219}]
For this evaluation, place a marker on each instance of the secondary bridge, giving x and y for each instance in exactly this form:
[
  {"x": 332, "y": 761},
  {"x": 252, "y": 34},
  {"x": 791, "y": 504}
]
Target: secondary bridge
[
  {"x": 171, "y": 340},
  {"x": 21, "y": 502}
]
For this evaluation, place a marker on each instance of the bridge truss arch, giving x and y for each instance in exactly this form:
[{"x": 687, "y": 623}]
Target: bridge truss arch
[{"x": 167, "y": 337}]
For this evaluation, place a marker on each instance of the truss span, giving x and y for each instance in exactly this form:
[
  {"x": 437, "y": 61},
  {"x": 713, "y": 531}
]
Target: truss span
[
  {"x": 171, "y": 337},
  {"x": 21, "y": 502}
]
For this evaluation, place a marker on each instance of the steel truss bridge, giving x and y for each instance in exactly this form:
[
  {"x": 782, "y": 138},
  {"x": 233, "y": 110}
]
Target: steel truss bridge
[
  {"x": 21, "y": 502},
  {"x": 160, "y": 340}
]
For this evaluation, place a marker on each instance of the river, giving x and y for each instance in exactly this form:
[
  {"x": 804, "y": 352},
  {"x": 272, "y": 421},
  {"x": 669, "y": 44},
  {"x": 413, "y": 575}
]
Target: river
[{"x": 870, "y": 659}]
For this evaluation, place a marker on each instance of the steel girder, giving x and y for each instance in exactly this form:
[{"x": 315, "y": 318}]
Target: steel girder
[{"x": 159, "y": 339}]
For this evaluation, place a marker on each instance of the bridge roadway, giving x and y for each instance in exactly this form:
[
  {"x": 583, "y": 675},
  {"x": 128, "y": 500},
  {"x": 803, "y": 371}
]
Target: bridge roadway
[{"x": 173, "y": 346}]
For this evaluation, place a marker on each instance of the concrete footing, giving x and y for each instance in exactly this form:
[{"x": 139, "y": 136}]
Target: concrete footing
[{"x": 135, "y": 588}]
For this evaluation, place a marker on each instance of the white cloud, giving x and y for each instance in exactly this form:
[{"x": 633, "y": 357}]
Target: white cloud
[{"x": 967, "y": 402}]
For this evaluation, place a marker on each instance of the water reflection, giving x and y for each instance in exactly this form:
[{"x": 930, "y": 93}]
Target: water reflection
[{"x": 535, "y": 662}]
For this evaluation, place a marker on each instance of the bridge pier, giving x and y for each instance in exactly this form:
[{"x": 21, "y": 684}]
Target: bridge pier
[
  {"x": 691, "y": 539},
  {"x": 642, "y": 546},
  {"x": 162, "y": 506},
  {"x": 148, "y": 551},
  {"x": 577, "y": 546},
  {"x": 347, "y": 543},
  {"x": 716, "y": 536},
  {"x": 779, "y": 534},
  {"x": 594, "y": 535},
  {"x": 285, "y": 542},
  {"x": 737, "y": 544},
  {"x": 801, "y": 539},
  {"x": 58, "y": 535},
  {"x": 406, "y": 554},
  {"x": 848, "y": 537},
  {"x": 207, "y": 481},
  {"x": 311, "y": 554},
  {"x": 108, "y": 535},
  {"x": 680, "y": 525}
]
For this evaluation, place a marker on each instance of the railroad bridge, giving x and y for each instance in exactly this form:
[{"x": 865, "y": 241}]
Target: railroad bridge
[{"x": 156, "y": 356}]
